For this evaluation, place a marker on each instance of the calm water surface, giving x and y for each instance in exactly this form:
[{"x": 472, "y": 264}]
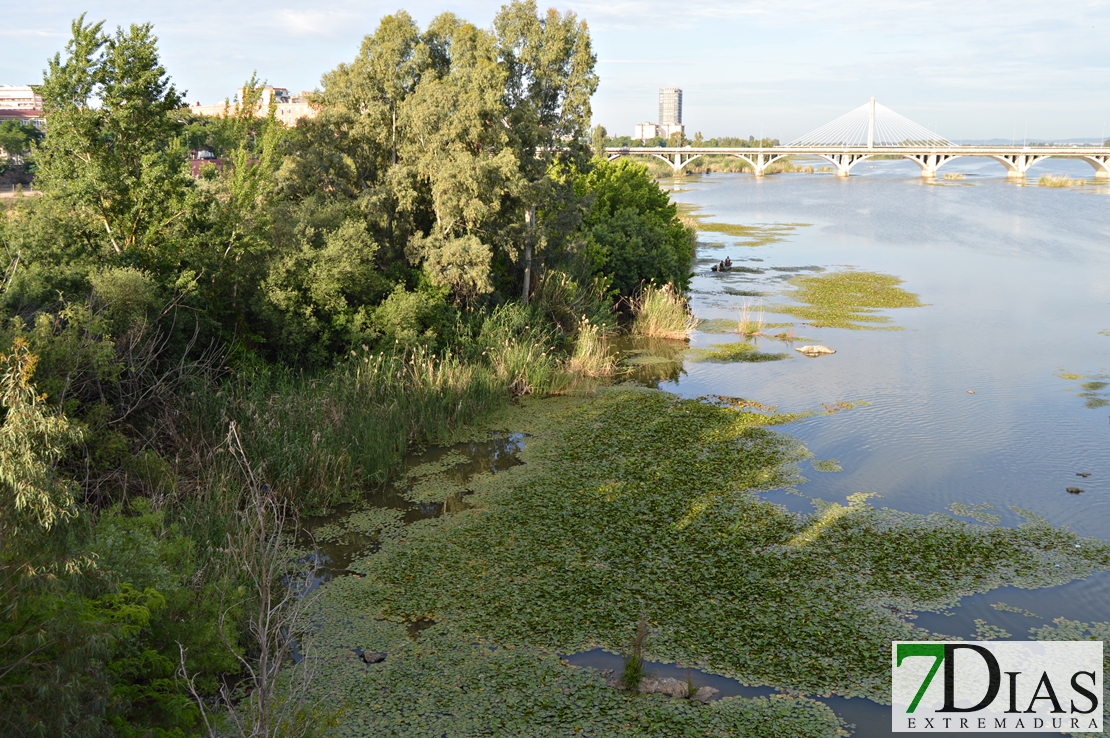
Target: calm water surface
[{"x": 1016, "y": 279}]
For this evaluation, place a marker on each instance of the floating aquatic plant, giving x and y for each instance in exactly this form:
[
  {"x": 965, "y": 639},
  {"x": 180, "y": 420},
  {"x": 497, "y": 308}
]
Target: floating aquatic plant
[
  {"x": 638, "y": 502},
  {"x": 847, "y": 299},
  {"x": 727, "y": 353}
]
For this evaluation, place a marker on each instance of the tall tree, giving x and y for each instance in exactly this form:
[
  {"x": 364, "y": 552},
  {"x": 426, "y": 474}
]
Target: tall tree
[
  {"x": 549, "y": 64},
  {"x": 110, "y": 149}
]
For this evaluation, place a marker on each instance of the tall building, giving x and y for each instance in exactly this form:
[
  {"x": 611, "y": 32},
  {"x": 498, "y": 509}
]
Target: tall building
[{"x": 670, "y": 106}]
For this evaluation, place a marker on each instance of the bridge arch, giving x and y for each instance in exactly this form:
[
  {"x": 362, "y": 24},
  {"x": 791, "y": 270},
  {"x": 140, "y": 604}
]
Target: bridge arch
[
  {"x": 930, "y": 162},
  {"x": 845, "y": 162},
  {"x": 1018, "y": 164},
  {"x": 1101, "y": 163}
]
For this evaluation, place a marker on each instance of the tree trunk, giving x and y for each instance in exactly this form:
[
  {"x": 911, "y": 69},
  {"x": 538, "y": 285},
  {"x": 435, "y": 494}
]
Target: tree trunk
[{"x": 529, "y": 239}]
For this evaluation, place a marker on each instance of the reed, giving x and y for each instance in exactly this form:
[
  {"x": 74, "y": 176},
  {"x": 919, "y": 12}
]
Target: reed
[
  {"x": 634, "y": 666},
  {"x": 1053, "y": 180},
  {"x": 662, "y": 312},
  {"x": 326, "y": 439},
  {"x": 591, "y": 357},
  {"x": 954, "y": 175},
  {"x": 750, "y": 322}
]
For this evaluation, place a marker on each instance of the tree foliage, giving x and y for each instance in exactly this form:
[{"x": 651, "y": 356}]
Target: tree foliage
[{"x": 632, "y": 230}]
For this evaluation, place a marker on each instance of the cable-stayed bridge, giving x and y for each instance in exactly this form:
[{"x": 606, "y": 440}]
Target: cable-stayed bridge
[{"x": 876, "y": 130}]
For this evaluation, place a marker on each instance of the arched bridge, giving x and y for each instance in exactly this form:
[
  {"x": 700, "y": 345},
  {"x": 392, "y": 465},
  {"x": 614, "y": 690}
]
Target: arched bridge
[{"x": 875, "y": 130}]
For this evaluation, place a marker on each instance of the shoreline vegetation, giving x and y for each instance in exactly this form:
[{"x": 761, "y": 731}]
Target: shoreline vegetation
[{"x": 190, "y": 369}]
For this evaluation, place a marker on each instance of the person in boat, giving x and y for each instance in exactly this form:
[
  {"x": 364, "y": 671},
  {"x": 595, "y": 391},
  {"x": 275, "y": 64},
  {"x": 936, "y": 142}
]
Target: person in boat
[
  {"x": 714, "y": 267},
  {"x": 728, "y": 261}
]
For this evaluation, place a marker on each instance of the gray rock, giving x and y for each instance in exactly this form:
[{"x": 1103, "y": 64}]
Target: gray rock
[
  {"x": 1075, "y": 490},
  {"x": 705, "y": 694},
  {"x": 372, "y": 657},
  {"x": 667, "y": 686}
]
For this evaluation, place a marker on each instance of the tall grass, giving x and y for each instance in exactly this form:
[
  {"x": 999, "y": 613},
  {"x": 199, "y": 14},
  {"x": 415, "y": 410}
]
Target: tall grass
[
  {"x": 591, "y": 357},
  {"x": 634, "y": 666},
  {"x": 662, "y": 312},
  {"x": 750, "y": 321},
  {"x": 325, "y": 439}
]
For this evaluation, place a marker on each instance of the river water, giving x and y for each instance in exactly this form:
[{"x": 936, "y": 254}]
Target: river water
[
  {"x": 977, "y": 400},
  {"x": 967, "y": 403}
]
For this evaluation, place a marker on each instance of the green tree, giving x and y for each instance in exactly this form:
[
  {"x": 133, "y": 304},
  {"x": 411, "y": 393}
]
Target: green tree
[
  {"x": 109, "y": 149},
  {"x": 16, "y": 137},
  {"x": 633, "y": 231},
  {"x": 550, "y": 78}
]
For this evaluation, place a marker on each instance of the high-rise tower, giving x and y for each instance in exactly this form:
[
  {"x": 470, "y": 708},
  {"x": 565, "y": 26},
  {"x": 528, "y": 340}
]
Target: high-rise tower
[{"x": 670, "y": 106}]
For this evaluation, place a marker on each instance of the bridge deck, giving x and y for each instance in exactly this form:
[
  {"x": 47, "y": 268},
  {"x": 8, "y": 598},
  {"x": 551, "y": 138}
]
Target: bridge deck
[{"x": 1016, "y": 159}]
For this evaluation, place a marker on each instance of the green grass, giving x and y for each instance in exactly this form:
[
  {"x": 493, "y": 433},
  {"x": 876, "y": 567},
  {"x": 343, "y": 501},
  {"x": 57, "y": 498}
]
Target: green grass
[
  {"x": 727, "y": 353},
  {"x": 847, "y": 300},
  {"x": 639, "y": 502}
]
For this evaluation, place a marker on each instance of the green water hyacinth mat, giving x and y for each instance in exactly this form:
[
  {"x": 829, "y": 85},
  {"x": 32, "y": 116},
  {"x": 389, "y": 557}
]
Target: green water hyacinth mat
[{"x": 638, "y": 502}]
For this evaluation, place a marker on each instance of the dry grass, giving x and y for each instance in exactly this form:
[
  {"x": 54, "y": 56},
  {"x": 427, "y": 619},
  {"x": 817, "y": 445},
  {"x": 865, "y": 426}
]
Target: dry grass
[
  {"x": 662, "y": 312},
  {"x": 1062, "y": 180},
  {"x": 750, "y": 322}
]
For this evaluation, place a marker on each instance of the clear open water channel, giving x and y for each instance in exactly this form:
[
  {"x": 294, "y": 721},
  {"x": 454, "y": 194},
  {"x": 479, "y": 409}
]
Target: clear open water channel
[{"x": 964, "y": 404}]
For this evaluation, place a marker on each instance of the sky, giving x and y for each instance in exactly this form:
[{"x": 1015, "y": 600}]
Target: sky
[{"x": 968, "y": 69}]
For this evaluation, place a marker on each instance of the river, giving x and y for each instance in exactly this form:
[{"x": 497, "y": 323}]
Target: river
[{"x": 977, "y": 400}]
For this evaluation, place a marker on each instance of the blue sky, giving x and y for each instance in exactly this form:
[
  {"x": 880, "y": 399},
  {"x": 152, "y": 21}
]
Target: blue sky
[{"x": 968, "y": 69}]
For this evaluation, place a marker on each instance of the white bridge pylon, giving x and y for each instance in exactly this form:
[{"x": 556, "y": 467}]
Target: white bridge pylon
[
  {"x": 876, "y": 130},
  {"x": 871, "y": 125}
]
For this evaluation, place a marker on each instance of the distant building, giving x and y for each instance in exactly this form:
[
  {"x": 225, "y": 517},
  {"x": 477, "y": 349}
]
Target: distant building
[
  {"x": 648, "y": 131},
  {"x": 670, "y": 106},
  {"x": 288, "y": 108},
  {"x": 670, "y": 117},
  {"x": 22, "y": 103}
]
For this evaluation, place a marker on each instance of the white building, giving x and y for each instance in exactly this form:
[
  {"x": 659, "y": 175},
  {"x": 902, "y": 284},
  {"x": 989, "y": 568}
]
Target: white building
[
  {"x": 648, "y": 131},
  {"x": 22, "y": 103}
]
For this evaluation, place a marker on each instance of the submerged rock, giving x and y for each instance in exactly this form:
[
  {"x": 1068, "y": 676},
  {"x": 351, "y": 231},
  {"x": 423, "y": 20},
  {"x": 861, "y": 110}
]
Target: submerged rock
[
  {"x": 814, "y": 351},
  {"x": 1076, "y": 490},
  {"x": 1083, "y": 474}
]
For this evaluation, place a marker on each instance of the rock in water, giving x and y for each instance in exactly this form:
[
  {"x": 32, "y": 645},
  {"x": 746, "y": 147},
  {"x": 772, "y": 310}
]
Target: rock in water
[
  {"x": 667, "y": 686},
  {"x": 814, "y": 351},
  {"x": 372, "y": 657},
  {"x": 1075, "y": 490},
  {"x": 1083, "y": 474},
  {"x": 705, "y": 694}
]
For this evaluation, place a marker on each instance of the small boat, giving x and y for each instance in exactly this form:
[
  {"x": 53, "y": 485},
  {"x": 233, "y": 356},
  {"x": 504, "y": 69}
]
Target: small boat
[{"x": 721, "y": 268}]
